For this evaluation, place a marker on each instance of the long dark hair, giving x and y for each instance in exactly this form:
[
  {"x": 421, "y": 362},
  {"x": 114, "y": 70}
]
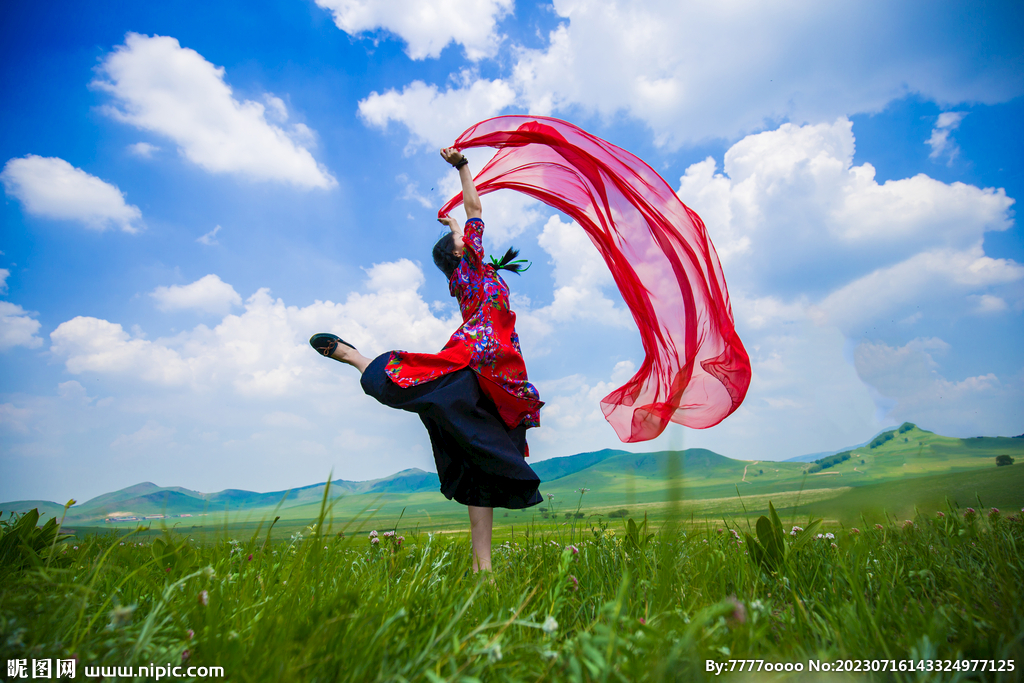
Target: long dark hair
[
  {"x": 444, "y": 255},
  {"x": 446, "y": 260}
]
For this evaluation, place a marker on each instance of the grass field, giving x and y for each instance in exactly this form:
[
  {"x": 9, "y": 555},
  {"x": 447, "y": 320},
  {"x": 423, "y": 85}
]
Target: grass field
[{"x": 572, "y": 602}]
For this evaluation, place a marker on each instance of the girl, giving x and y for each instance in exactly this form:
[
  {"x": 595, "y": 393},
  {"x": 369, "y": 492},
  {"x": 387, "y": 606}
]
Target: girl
[{"x": 473, "y": 396}]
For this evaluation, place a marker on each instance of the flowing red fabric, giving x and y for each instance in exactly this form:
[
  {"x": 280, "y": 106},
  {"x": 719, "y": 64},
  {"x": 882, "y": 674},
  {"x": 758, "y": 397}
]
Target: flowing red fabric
[{"x": 695, "y": 371}]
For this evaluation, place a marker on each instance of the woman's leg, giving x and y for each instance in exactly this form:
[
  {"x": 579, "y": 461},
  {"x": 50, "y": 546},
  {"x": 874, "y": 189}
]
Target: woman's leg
[
  {"x": 346, "y": 354},
  {"x": 481, "y": 520}
]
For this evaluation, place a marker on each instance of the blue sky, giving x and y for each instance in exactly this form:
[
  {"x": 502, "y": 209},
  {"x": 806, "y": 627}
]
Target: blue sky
[{"x": 192, "y": 189}]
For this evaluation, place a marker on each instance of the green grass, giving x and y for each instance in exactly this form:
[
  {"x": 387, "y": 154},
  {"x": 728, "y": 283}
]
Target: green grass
[{"x": 320, "y": 607}]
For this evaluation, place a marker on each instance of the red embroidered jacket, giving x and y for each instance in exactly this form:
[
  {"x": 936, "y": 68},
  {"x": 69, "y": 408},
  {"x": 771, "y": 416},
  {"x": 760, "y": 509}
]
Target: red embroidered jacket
[{"x": 486, "y": 343}]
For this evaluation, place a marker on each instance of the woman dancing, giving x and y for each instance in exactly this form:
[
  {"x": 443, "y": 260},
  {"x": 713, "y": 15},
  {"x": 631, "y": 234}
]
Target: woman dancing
[{"x": 473, "y": 396}]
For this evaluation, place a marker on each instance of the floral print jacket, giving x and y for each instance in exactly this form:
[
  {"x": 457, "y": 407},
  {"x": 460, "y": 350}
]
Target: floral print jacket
[{"x": 486, "y": 343}]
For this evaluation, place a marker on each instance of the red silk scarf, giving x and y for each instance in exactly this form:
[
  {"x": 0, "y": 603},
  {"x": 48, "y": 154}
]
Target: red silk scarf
[{"x": 695, "y": 371}]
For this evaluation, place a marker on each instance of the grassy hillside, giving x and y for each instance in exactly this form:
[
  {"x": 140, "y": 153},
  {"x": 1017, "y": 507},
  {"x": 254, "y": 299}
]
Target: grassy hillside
[{"x": 907, "y": 460}]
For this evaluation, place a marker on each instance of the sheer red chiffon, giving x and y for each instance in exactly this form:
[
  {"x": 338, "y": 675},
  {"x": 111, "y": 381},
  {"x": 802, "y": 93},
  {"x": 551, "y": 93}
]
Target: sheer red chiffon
[{"x": 695, "y": 371}]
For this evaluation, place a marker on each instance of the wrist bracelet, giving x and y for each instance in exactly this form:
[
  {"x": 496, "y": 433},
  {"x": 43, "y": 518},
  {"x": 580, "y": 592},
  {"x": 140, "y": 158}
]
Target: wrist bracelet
[{"x": 461, "y": 163}]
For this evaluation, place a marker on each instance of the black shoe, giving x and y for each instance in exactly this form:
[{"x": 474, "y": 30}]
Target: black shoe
[{"x": 325, "y": 343}]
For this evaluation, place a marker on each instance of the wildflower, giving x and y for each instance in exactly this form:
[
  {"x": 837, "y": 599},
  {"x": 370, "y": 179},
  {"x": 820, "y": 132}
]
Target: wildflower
[
  {"x": 574, "y": 549},
  {"x": 795, "y": 531},
  {"x": 550, "y": 626},
  {"x": 735, "y": 534},
  {"x": 993, "y": 514},
  {"x": 908, "y": 524},
  {"x": 375, "y": 541},
  {"x": 879, "y": 527},
  {"x": 820, "y": 536},
  {"x": 855, "y": 531},
  {"x": 75, "y": 548},
  {"x": 250, "y": 557},
  {"x": 739, "y": 612},
  {"x": 494, "y": 653},
  {"x": 167, "y": 569},
  {"x": 609, "y": 533},
  {"x": 191, "y": 634},
  {"x": 203, "y": 598},
  {"x": 373, "y": 534},
  {"x": 551, "y": 496},
  {"x": 575, "y": 583},
  {"x": 643, "y": 622},
  {"x": 757, "y": 605},
  {"x": 185, "y": 655},
  {"x": 119, "y": 616},
  {"x": 940, "y": 514},
  {"x": 830, "y": 536},
  {"x": 835, "y": 546}
]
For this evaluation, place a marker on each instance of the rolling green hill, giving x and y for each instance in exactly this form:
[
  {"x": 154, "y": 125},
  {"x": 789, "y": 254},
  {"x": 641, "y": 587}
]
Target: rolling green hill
[{"x": 906, "y": 464}]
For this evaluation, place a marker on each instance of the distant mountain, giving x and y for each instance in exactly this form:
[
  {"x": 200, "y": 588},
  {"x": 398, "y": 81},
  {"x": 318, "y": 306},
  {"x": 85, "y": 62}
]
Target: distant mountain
[
  {"x": 811, "y": 457},
  {"x": 891, "y": 455},
  {"x": 556, "y": 468}
]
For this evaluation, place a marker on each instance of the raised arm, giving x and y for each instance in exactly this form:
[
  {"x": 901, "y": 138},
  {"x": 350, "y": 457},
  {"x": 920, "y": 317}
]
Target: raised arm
[{"x": 470, "y": 198}]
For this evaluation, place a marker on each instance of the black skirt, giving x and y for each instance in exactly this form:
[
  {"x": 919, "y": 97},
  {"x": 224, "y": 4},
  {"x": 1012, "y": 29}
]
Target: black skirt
[{"x": 479, "y": 460}]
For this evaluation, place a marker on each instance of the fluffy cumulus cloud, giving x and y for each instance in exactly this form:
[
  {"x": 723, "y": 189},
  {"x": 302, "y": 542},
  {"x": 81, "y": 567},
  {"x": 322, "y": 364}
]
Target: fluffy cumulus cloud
[
  {"x": 52, "y": 188},
  {"x": 581, "y": 280},
  {"x": 913, "y": 388},
  {"x": 18, "y": 327},
  {"x": 693, "y": 70},
  {"x": 162, "y": 87},
  {"x": 816, "y": 251},
  {"x": 435, "y": 118},
  {"x": 209, "y": 294},
  {"x": 426, "y": 27},
  {"x": 791, "y": 215},
  {"x": 248, "y": 389},
  {"x": 263, "y": 350}
]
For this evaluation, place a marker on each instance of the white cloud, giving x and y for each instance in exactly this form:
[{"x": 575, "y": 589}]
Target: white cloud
[
  {"x": 143, "y": 149},
  {"x": 909, "y": 377},
  {"x": 4, "y": 274},
  {"x": 17, "y": 327},
  {"x": 436, "y": 118},
  {"x": 940, "y": 141},
  {"x": 209, "y": 294},
  {"x": 210, "y": 238},
  {"x": 164, "y": 88},
  {"x": 411, "y": 191},
  {"x": 793, "y": 217},
  {"x": 426, "y": 27},
  {"x": 52, "y": 188},
  {"x": 693, "y": 71},
  {"x": 581, "y": 275},
  {"x": 150, "y": 433},
  {"x": 929, "y": 276},
  {"x": 264, "y": 350},
  {"x": 95, "y": 345}
]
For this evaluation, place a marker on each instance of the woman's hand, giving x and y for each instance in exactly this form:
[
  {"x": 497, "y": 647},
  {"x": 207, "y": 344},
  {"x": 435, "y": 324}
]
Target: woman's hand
[
  {"x": 451, "y": 223},
  {"x": 451, "y": 155}
]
